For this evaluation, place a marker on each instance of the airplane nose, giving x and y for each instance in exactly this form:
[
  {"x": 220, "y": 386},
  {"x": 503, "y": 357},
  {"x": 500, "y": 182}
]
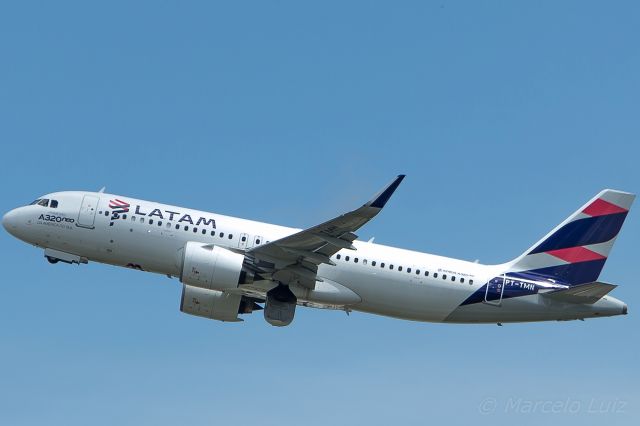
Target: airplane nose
[{"x": 9, "y": 221}]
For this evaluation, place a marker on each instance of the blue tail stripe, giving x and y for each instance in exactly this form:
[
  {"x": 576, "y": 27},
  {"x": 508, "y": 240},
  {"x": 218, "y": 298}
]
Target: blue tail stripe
[
  {"x": 582, "y": 232},
  {"x": 571, "y": 273}
]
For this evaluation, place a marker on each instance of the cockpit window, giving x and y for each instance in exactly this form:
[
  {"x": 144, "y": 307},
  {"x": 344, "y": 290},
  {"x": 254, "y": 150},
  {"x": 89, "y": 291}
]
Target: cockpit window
[{"x": 44, "y": 202}]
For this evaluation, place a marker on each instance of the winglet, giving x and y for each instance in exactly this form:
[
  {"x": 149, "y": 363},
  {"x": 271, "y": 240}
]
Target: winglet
[{"x": 383, "y": 196}]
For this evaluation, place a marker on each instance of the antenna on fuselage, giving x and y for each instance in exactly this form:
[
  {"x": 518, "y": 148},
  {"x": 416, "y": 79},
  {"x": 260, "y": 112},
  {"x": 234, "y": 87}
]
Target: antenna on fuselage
[{"x": 102, "y": 190}]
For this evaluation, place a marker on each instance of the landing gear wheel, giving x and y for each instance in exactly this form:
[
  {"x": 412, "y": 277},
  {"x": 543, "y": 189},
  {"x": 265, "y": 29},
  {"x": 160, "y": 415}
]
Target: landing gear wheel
[
  {"x": 280, "y": 306},
  {"x": 52, "y": 260}
]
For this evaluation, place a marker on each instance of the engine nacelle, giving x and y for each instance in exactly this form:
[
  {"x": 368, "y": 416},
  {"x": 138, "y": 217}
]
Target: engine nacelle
[
  {"x": 211, "y": 267},
  {"x": 212, "y": 304}
]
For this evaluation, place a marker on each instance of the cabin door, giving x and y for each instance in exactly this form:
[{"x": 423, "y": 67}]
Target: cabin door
[
  {"x": 495, "y": 288},
  {"x": 87, "y": 215}
]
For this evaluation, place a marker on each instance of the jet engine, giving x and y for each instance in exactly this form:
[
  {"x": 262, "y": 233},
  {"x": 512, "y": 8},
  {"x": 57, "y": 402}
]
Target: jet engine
[
  {"x": 214, "y": 304},
  {"x": 213, "y": 268}
]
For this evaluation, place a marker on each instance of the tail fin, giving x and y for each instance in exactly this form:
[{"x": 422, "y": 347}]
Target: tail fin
[{"x": 576, "y": 250}]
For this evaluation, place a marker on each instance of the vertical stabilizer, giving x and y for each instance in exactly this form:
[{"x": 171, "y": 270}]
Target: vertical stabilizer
[{"x": 576, "y": 250}]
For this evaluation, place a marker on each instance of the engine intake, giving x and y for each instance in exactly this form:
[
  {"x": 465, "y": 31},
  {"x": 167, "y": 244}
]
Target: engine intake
[{"x": 211, "y": 267}]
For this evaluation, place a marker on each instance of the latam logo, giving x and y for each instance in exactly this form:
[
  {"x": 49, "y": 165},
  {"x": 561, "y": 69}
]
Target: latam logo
[{"x": 119, "y": 206}]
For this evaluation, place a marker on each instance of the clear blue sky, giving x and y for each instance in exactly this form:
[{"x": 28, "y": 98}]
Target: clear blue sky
[{"x": 506, "y": 116}]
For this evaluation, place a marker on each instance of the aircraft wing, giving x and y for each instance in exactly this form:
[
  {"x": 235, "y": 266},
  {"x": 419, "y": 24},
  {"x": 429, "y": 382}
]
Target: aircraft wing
[{"x": 295, "y": 258}]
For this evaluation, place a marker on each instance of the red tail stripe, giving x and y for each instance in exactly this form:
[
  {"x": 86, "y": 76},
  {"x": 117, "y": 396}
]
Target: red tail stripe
[
  {"x": 576, "y": 254},
  {"x": 601, "y": 207}
]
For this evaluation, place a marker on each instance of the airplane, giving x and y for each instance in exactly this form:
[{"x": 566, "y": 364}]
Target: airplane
[{"x": 230, "y": 266}]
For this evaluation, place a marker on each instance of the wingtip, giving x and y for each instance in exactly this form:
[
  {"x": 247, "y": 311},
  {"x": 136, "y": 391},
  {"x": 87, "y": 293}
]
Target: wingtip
[{"x": 381, "y": 199}]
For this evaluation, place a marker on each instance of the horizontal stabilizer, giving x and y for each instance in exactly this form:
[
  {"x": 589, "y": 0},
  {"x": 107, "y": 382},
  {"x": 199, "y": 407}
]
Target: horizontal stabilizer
[{"x": 588, "y": 293}]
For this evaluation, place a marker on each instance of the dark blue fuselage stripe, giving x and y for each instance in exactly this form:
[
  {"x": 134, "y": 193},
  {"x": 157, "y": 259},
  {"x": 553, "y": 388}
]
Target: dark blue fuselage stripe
[
  {"x": 582, "y": 232},
  {"x": 476, "y": 297},
  {"x": 570, "y": 274}
]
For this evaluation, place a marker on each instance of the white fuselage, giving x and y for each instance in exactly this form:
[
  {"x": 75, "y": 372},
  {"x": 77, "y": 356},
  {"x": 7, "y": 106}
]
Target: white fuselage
[{"x": 389, "y": 281}]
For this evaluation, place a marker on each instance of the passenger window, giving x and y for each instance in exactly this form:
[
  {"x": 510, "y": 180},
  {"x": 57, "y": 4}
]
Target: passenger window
[
  {"x": 142, "y": 220},
  {"x": 417, "y": 271},
  {"x": 54, "y": 204},
  {"x": 168, "y": 225},
  {"x": 230, "y": 236},
  {"x": 338, "y": 256},
  {"x": 221, "y": 234},
  {"x": 364, "y": 261},
  {"x": 426, "y": 273},
  {"x": 124, "y": 216},
  {"x": 150, "y": 221},
  {"x": 258, "y": 241},
  {"x": 204, "y": 231},
  {"x": 177, "y": 226},
  {"x": 435, "y": 275},
  {"x": 133, "y": 218},
  {"x": 213, "y": 233},
  {"x": 391, "y": 267},
  {"x": 159, "y": 223},
  {"x": 444, "y": 276},
  {"x": 373, "y": 263},
  {"x": 408, "y": 270},
  {"x": 195, "y": 230},
  {"x": 453, "y": 278},
  {"x": 382, "y": 265},
  {"x": 346, "y": 258},
  {"x": 186, "y": 228},
  {"x": 244, "y": 238},
  {"x": 462, "y": 280},
  {"x": 106, "y": 213},
  {"x": 470, "y": 282},
  {"x": 399, "y": 268},
  {"x": 355, "y": 260}
]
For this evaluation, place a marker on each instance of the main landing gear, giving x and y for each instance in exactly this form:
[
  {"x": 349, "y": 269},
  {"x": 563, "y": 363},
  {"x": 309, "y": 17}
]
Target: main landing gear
[{"x": 281, "y": 306}]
